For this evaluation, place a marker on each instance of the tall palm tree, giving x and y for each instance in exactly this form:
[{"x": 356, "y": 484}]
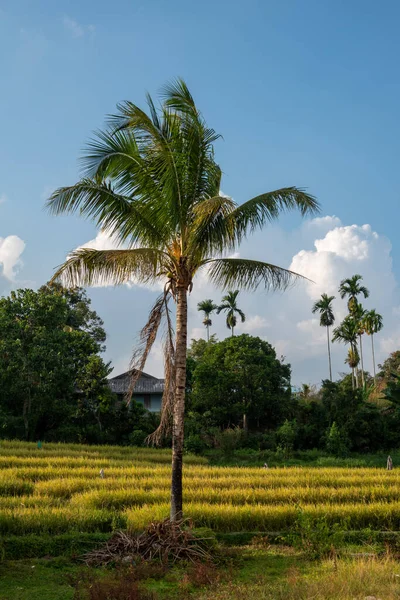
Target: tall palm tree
[
  {"x": 229, "y": 305},
  {"x": 347, "y": 333},
  {"x": 207, "y": 307},
  {"x": 373, "y": 323},
  {"x": 358, "y": 313},
  {"x": 151, "y": 181},
  {"x": 326, "y": 319},
  {"x": 351, "y": 288}
]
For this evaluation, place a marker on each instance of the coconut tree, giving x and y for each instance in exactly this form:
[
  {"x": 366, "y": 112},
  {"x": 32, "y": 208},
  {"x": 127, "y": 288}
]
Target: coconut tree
[
  {"x": 351, "y": 288},
  {"x": 347, "y": 333},
  {"x": 326, "y": 319},
  {"x": 229, "y": 305},
  {"x": 207, "y": 307},
  {"x": 373, "y": 323},
  {"x": 151, "y": 181}
]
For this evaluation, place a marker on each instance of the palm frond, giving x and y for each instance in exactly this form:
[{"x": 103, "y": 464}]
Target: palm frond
[
  {"x": 241, "y": 314},
  {"x": 113, "y": 212},
  {"x": 167, "y": 404},
  {"x": 147, "y": 337},
  {"x": 249, "y": 274},
  {"x": 211, "y": 230},
  {"x": 258, "y": 211},
  {"x": 88, "y": 266}
]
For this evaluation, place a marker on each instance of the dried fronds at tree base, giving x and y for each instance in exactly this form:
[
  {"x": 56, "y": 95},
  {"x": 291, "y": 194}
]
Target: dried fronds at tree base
[{"x": 164, "y": 541}]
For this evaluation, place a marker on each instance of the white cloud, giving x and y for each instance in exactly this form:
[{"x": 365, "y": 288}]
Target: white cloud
[
  {"x": 3, "y": 198},
  {"x": 255, "y": 325},
  {"x": 76, "y": 29},
  {"x": 331, "y": 251},
  {"x": 11, "y": 249}
]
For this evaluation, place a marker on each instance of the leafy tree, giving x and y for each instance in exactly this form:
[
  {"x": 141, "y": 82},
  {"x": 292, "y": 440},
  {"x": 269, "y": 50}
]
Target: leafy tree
[
  {"x": 229, "y": 305},
  {"x": 48, "y": 341},
  {"x": 239, "y": 381},
  {"x": 373, "y": 323},
  {"x": 151, "y": 180},
  {"x": 327, "y": 318},
  {"x": 391, "y": 365},
  {"x": 207, "y": 307}
]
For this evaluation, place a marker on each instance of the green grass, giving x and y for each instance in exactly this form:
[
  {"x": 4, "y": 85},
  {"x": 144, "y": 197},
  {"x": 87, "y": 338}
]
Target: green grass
[
  {"x": 37, "y": 580},
  {"x": 276, "y": 573}
]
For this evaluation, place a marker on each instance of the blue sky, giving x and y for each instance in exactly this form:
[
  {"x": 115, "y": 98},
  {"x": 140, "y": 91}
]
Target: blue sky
[{"x": 304, "y": 93}]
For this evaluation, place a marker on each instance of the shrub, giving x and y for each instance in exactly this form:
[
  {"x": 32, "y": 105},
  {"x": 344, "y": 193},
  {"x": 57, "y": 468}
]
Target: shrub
[
  {"x": 336, "y": 441},
  {"x": 316, "y": 537},
  {"x": 195, "y": 444}
]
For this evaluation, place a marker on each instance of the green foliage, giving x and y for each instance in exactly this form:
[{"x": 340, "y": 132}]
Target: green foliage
[
  {"x": 195, "y": 444},
  {"x": 49, "y": 344},
  {"x": 229, "y": 440},
  {"x": 316, "y": 537},
  {"x": 237, "y": 376},
  {"x": 287, "y": 435},
  {"x": 336, "y": 442}
]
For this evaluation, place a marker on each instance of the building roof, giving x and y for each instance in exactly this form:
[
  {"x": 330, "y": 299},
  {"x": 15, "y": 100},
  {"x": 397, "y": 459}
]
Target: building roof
[{"x": 146, "y": 384}]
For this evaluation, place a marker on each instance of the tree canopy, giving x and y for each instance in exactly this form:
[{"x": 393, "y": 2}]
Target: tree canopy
[{"x": 49, "y": 357}]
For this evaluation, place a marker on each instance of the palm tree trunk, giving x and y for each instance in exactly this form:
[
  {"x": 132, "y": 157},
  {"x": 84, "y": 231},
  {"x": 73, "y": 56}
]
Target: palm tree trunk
[
  {"x": 208, "y": 333},
  {"x": 179, "y": 404},
  {"x": 233, "y": 334},
  {"x": 329, "y": 354},
  {"x": 373, "y": 357},
  {"x": 352, "y": 378},
  {"x": 362, "y": 362}
]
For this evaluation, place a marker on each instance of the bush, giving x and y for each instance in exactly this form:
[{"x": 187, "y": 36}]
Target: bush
[
  {"x": 137, "y": 437},
  {"x": 229, "y": 440},
  {"x": 195, "y": 444},
  {"x": 336, "y": 441},
  {"x": 316, "y": 537}
]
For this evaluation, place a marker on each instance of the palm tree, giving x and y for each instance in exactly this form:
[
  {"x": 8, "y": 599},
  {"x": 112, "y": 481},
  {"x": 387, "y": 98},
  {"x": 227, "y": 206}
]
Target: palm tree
[
  {"x": 326, "y": 319},
  {"x": 373, "y": 323},
  {"x": 207, "y": 307},
  {"x": 151, "y": 181},
  {"x": 347, "y": 333},
  {"x": 351, "y": 288},
  {"x": 229, "y": 305},
  {"x": 352, "y": 360},
  {"x": 358, "y": 313}
]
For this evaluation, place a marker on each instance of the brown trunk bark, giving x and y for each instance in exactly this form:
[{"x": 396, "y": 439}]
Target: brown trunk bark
[
  {"x": 362, "y": 362},
  {"x": 245, "y": 424},
  {"x": 373, "y": 357},
  {"x": 329, "y": 354},
  {"x": 179, "y": 405}
]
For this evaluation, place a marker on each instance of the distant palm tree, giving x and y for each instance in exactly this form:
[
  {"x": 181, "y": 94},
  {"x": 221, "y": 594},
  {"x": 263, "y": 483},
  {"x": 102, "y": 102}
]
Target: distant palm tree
[
  {"x": 358, "y": 314},
  {"x": 351, "y": 288},
  {"x": 229, "y": 305},
  {"x": 373, "y": 323},
  {"x": 326, "y": 319},
  {"x": 207, "y": 307},
  {"x": 347, "y": 333}
]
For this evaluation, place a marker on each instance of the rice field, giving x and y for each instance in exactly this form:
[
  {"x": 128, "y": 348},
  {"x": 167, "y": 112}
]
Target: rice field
[{"x": 58, "y": 489}]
